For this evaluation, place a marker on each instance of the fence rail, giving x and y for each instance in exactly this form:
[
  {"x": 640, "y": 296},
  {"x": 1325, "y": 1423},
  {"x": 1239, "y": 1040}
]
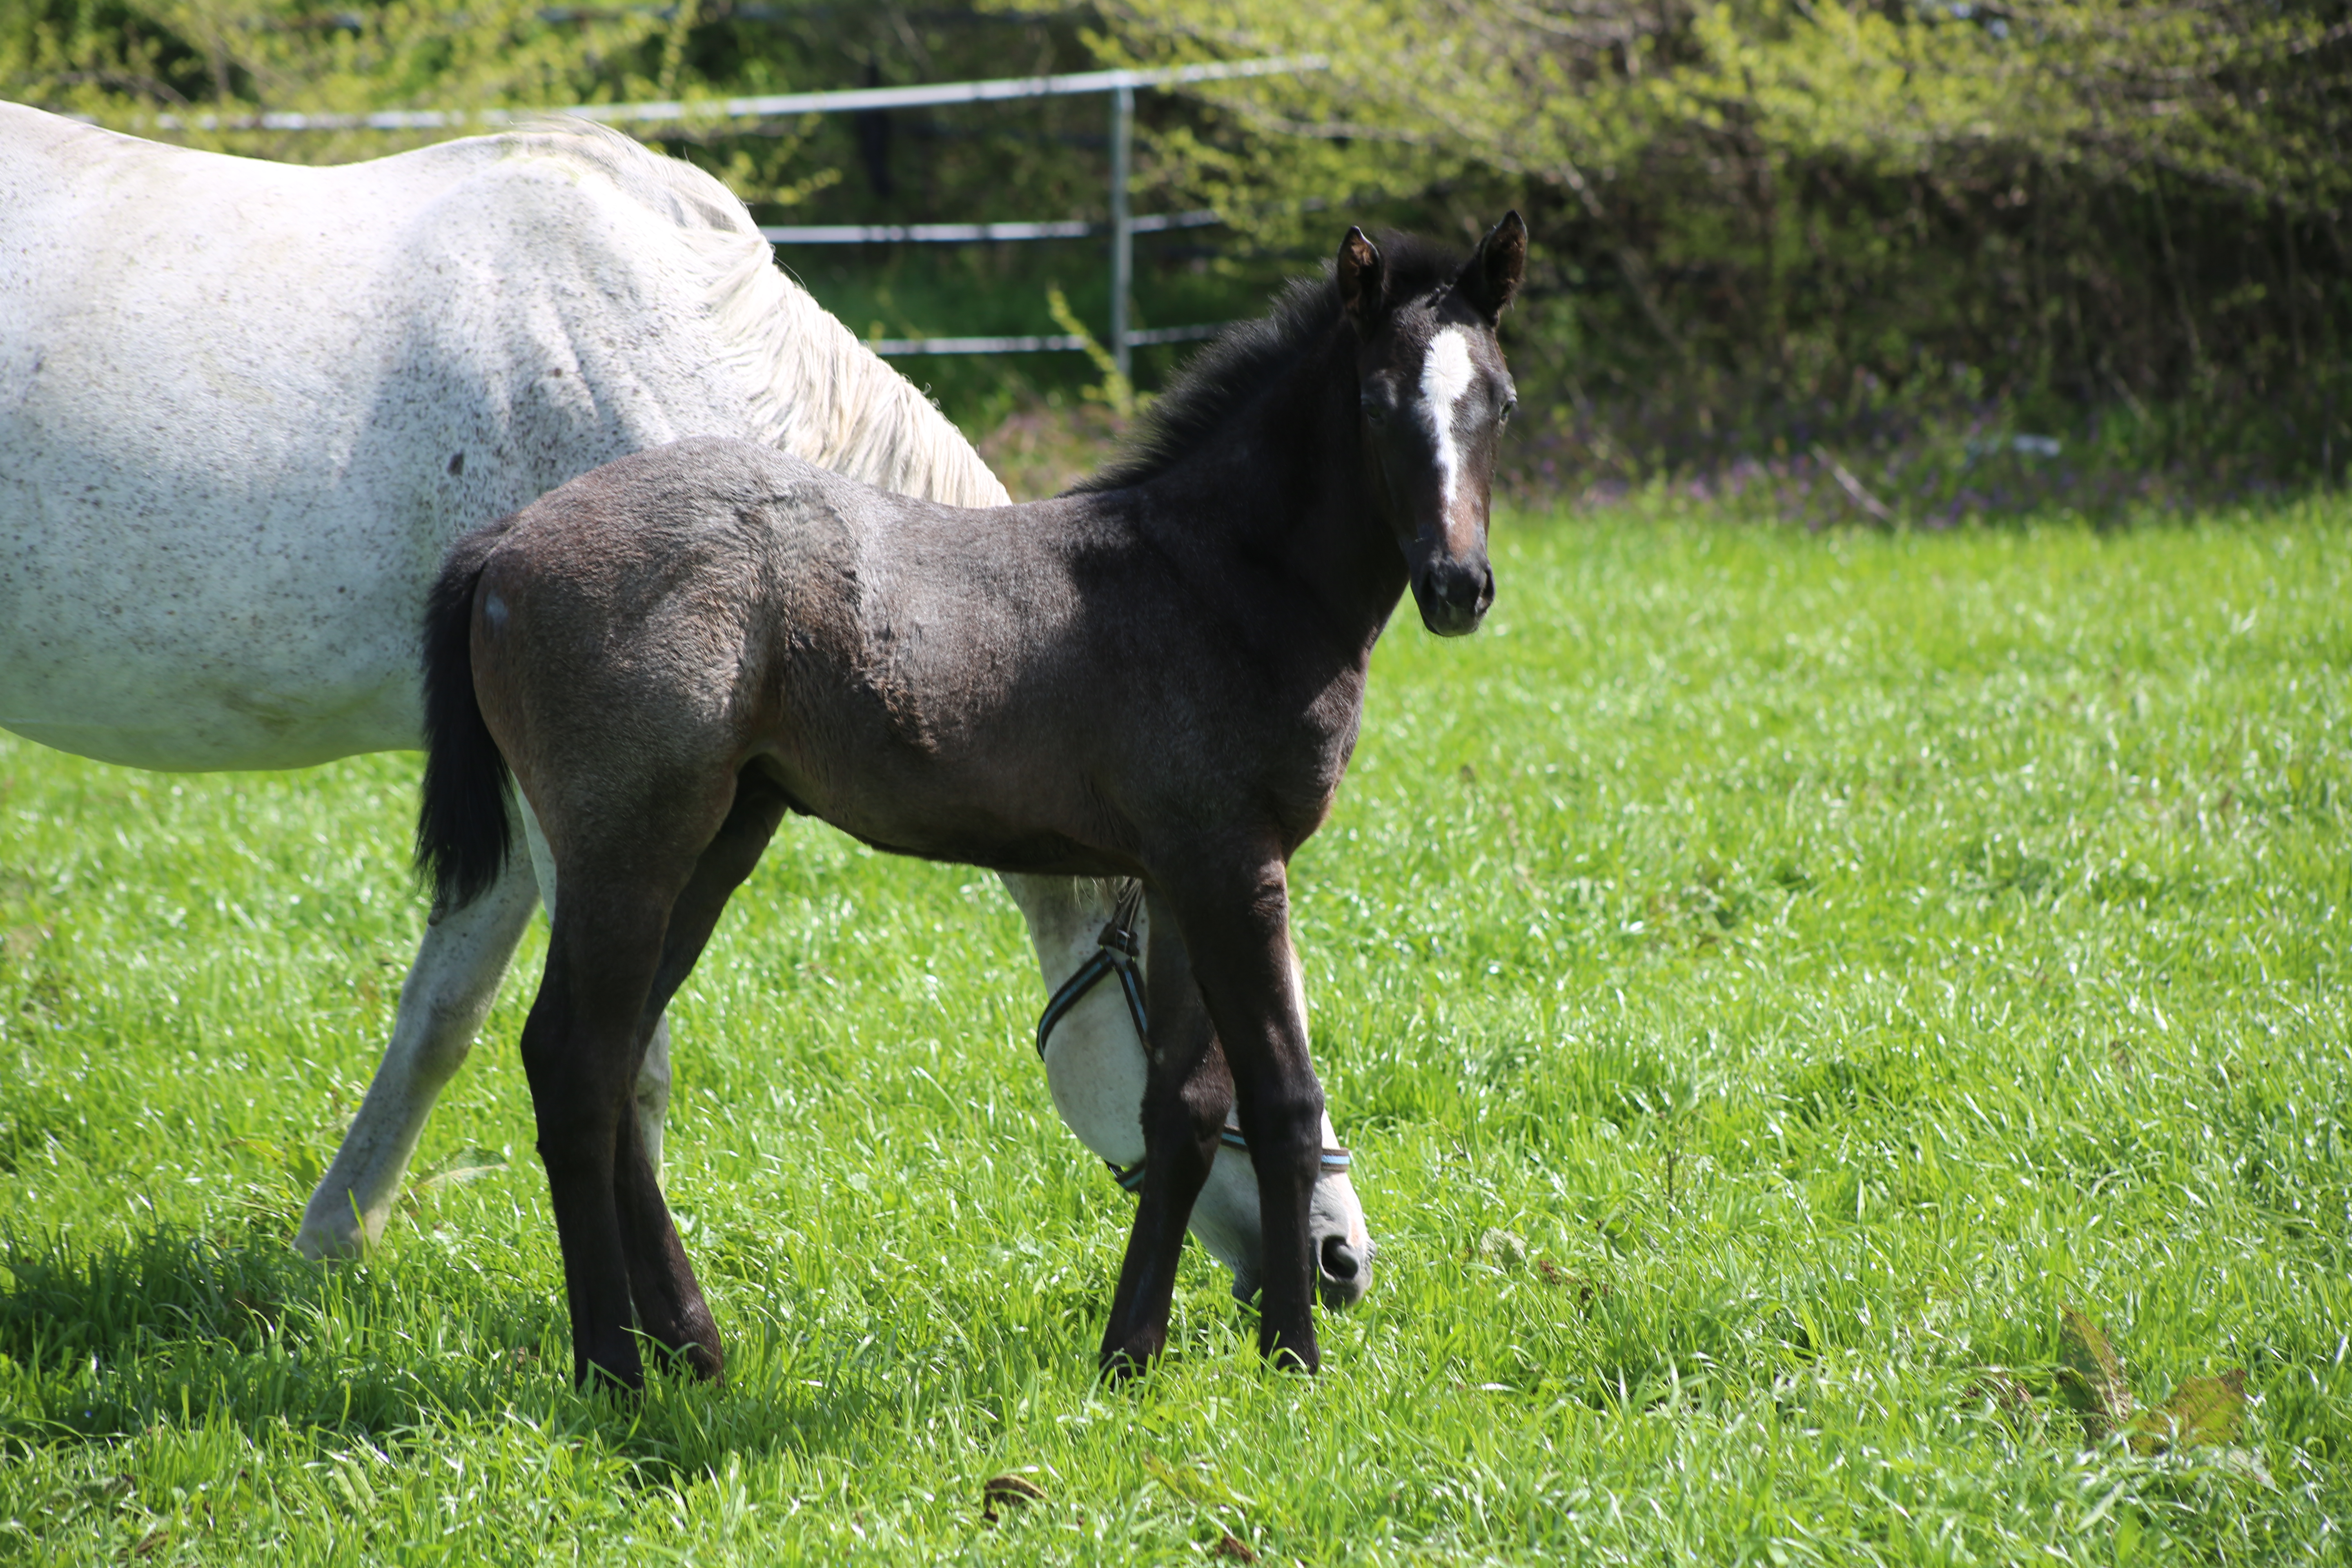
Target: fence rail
[
  {"x": 772, "y": 106},
  {"x": 1049, "y": 343},
  {"x": 1123, "y": 226},
  {"x": 972, "y": 233}
]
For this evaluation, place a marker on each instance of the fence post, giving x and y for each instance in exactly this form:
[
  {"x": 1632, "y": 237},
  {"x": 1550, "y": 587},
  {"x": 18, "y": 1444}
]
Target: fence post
[{"x": 1122, "y": 226}]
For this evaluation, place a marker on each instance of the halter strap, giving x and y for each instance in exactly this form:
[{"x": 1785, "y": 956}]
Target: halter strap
[{"x": 1118, "y": 951}]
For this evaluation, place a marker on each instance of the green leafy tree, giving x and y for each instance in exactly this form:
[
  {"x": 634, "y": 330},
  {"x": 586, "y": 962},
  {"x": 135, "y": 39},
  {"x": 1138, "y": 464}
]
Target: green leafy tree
[
  {"x": 207, "y": 71},
  {"x": 1759, "y": 223},
  {"x": 1779, "y": 204}
]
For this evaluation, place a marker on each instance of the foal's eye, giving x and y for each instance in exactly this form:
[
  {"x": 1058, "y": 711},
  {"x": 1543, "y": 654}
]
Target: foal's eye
[{"x": 1510, "y": 406}]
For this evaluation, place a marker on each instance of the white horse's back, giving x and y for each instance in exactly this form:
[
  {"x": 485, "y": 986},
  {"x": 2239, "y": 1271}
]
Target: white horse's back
[{"x": 244, "y": 406}]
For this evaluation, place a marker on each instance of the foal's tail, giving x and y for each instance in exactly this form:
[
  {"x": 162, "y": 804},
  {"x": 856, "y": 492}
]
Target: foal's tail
[{"x": 464, "y": 832}]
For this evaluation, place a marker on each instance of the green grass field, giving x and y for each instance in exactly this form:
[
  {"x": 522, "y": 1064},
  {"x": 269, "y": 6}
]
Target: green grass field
[{"x": 1769, "y": 980}]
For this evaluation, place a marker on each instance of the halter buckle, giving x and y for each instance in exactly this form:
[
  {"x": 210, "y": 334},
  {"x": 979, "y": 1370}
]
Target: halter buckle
[{"x": 1119, "y": 933}]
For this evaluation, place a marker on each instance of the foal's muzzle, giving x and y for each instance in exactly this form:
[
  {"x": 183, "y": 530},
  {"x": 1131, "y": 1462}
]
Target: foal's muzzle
[{"x": 1453, "y": 595}]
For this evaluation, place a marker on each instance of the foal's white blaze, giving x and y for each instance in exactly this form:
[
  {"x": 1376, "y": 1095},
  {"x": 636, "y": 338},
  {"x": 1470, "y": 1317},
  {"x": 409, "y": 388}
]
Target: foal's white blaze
[{"x": 1445, "y": 377}]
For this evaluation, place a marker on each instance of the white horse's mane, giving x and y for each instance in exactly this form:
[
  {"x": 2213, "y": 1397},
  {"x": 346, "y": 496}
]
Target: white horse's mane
[{"x": 816, "y": 391}]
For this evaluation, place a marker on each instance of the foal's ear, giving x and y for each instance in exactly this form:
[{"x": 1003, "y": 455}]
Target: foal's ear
[
  {"x": 1362, "y": 279},
  {"x": 1492, "y": 275}
]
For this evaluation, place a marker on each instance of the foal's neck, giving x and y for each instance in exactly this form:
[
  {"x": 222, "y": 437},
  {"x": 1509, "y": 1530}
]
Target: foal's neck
[{"x": 1280, "y": 489}]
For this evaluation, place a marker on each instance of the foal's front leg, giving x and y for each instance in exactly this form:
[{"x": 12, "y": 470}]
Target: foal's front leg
[
  {"x": 1185, "y": 1098},
  {"x": 1235, "y": 919}
]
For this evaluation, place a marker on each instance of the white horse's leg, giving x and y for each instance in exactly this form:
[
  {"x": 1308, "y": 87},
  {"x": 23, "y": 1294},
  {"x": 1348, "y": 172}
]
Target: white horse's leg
[
  {"x": 652, "y": 1093},
  {"x": 442, "y": 1004},
  {"x": 449, "y": 991},
  {"x": 653, "y": 1074}
]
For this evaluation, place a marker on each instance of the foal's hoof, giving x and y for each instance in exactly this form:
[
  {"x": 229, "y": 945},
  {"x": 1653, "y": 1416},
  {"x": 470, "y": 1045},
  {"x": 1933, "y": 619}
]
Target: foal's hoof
[
  {"x": 625, "y": 1385},
  {"x": 707, "y": 1363},
  {"x": 1287, "y": 1354},
  {"x": 1131, "y": 1358}
]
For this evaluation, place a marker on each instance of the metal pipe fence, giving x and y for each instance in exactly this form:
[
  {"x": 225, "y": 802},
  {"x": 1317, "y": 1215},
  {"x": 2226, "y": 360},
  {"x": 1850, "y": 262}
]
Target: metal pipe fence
[
  {"x": 1125, "y": 339},
  {"x": 772, "y": 106},
  {"x": 1050, "y": 343},
  {"x": 1123, "y": 226}
]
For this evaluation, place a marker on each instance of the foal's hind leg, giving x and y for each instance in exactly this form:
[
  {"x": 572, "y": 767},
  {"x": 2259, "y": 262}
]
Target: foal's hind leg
[
  {"x": 638, "y": 902},
  {"x": 653, "y": 1074},
  {"x": 579, "y": 1050},
  {"x": 670, "y": 1309}
]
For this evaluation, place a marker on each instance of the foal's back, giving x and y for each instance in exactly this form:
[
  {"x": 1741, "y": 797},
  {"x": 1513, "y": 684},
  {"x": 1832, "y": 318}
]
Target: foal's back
[{"x": 918, "y": 675}]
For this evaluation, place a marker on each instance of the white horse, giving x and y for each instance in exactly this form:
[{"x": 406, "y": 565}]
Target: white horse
[{"x": 244, "y": 406}]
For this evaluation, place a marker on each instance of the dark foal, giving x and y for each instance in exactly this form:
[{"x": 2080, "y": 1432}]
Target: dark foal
[{"x": 1156, "y": 676}]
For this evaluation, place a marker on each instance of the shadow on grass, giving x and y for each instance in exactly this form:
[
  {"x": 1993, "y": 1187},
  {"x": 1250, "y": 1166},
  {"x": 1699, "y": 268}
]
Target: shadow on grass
[{"x": 178, "y": 1330}]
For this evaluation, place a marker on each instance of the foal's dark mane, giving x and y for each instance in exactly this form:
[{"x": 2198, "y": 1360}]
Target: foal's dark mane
[{"x": 1246, "y": 359}]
